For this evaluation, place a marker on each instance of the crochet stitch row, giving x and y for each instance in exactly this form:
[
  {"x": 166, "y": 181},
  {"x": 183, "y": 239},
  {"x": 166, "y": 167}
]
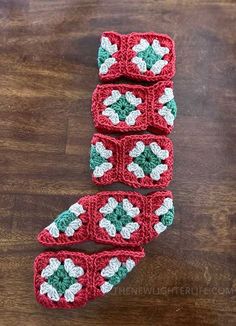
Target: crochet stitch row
[
  {"x": 67, "y": 279},
  {"x": 140, "y": 56},
  {"x": 112, "y": 217},
  {"x": 137, "y": 160},
  {"x": 124, "y": 108}
]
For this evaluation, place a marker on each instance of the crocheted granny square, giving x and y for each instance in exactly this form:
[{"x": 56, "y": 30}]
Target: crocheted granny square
[
  {"x": 125, "y": 108},
  {"x": 137, "y": 160},
  {"x": 70, "y": 279},
  {"x": 140, "y": 56},
  {"x": 112, "y": 217}
]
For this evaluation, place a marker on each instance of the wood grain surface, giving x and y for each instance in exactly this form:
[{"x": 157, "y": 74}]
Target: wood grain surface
[{"x": 48, "y": 71}]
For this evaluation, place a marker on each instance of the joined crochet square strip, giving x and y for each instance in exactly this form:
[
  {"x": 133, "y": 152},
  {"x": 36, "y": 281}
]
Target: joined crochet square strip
[
  {"x": 120, "y": 218},
  {"x": 139, "y": 56},
  {"x": 67, "y": 279},
  {"x": 126, "y": 108},
  {"x": 137, "y": 160}
]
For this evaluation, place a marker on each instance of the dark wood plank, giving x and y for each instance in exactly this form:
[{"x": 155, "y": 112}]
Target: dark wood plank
[{"x": 47, "y": 75}]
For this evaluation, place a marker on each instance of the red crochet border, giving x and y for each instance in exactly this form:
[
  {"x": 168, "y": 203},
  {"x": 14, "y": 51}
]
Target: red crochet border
[
  {"x": 124, "y": 66},
  {"x": 90, "y": 229},
  {"x": 120, "y": 159},
  {"x": 91, "y": 280},
  {"x": 149, "y": 118}
]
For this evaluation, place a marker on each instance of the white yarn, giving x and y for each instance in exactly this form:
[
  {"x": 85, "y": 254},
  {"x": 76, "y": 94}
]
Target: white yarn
[
  {"x": 53, "y": 230},
  {"x": 132, "y": 99},
  {"x": 100, "y": 148},
  {"x": 159, "y": 227},
  {"x": 158, "y": 66},
  {"x": 77, "y": 209},
  {"x": 141, "y": 46},
  {"x": 136, "y": 169},
  {"x": 72, "y": 269},
  {"x": 159, "y": 50},
  {"x": 106, "y": 287},
  {"x": 157, "y": 171},
  {"x": 99, "y": 171},
  {"x": 72, "y": 291},
  {"x": 127, "y": 230},
  {"x": 167, "y": 96},
  {"x": 137, "y": 150},
  {"x": 72, "y": 227},
  {"x": 113, "y": 98},
  {"x": 165, "y": 207},
  {"x": 105, "y": 66},
  {"x": 111, "y": 49},
  {"x": 166, "y": 113},
  {"x": 108, "y": 46},
  {"x": 112, "y": 115},
  {"x": 109, "y": 207},
  {"x": 131, "y": 118},
  {"x": 49, "y": 270},
  {"x": 108, "y": 226},
  {"x": 129, "y": 208},
  {"x": 141, "y": 64},
  {"x": 51, "y": 292},
  {"x": 160, "y": 153},
  {"x": 129, "y": 264},
  {"x": 111, "y": 268}
]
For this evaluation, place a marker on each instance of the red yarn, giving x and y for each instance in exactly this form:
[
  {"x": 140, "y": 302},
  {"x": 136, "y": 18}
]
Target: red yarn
[
  {"x": 90, "y": 229},
  {"x": 124, "y": 55},
  {"x": 91, "y": 280},
  {"x": 120, "y": 159},
  {"x": 149, "y": 118}
]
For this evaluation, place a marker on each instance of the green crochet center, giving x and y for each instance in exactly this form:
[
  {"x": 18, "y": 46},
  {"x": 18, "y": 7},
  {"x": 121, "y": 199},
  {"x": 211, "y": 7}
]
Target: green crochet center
[
  {"x": 118, "y": 276},
  {"x": 149, "y": 56},
  {"x": 64, "y": 219},
  {"x": 61, "y": 280},
  {"x": 95, "y": 158},
  {"x": 119, "y": 217},
  {"x": 168, "y": 218},
  {"x": 102, "y": 56},
  {"x": 147, "y": 160},
  {"x": 172, "y": 106},
  {"x": 122, "y": 107}
]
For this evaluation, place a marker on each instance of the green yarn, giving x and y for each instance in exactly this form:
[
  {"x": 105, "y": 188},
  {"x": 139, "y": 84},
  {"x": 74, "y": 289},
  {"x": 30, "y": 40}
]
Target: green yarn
[
  {"x": 102, "y": 56},
  {"x": 64, "y": 219},
  {"x": 122, "y": 107},
  {"x": 147, "y": 160},
  {"x": 172, "y": 106},
  {"x": 61, "y": 280},
  {"x": 95, "y": 158},
  {"x": 118, "y": 276},
  {"x": 168, "y": 218},
  {"x": 119, "y": 217},
  {"x": 149, "y": 56}
]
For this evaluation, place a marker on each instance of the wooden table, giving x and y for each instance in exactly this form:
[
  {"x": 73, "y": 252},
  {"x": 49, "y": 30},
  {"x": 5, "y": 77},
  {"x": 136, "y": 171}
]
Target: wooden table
[{"x": 47, "y": 74}]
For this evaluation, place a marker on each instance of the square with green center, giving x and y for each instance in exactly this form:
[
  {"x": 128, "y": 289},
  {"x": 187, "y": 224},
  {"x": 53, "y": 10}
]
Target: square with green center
[
  {"x": 147, "y": 160},
  {"x": 61, "y": 280},
  {"x": 119, "y": 217},
  {"x": 149, "y": 56},
  {"x": 122, "y": 107}
]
